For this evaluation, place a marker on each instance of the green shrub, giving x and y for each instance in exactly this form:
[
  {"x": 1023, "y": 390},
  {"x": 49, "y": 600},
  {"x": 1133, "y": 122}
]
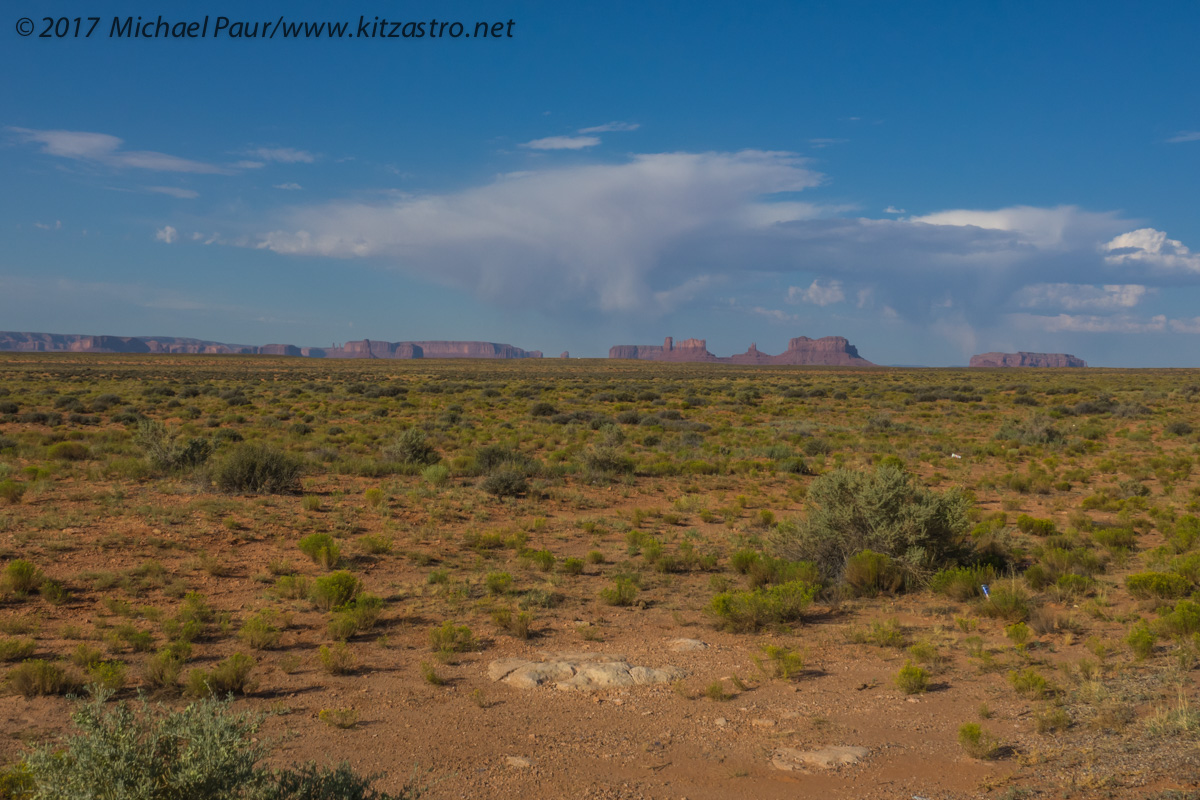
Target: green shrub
[
  {"x": 542, "y": 559},
  {"x": 262, "y": 631},
  {"x": 1037, "y": 527},
  {"x": 506, "y": 482},
  {"x": 517, "y": 624},
  {"x": 69, "y": 451},
  {"x": 1183, "y": 620},
  {"x": 868, "y": 573},
  {"x": 16, "y": 649},
  {"x": 230, "y": 675},
  {"x": 755, "y": 609},
  {"x": 962, "y": 583},
  {"x": 975, "y": 742},
  {"x": 335, "y": 589},
  {"x": 166, "y": 452},
  {"x": 11, "y": 492},
  {"x": 436, "y": 475},
  {"x": 780, "y": 662},
  {"x": 884, "y": 511},
  {"x": 498, "y": 582},
  {"x": 205, "y": 751},
  {"x": 162, "y": 670},
  {"x": 1029, "y": 684},
  {"x": 22, "y": 577},
  {"x": 357, "y": 616},
  {"x": 1005, "y": 602},
  {"x": 1141, "y": 640},
  {"x": 259, "y": 469},
  {"x": 449, "y": 639},
  {"x": 37, "y": 677},
  {"x": 912, "y": 679},
  {"x": 336, "y": 660},
  {"x": 322, "y": 549},
  {"x": 572, "y": 566},
  {"x": 411, "y": 447},
  {"x": 622, "y": 593},
  {"x": 1157, "y": 585},
  {"x": 375, "y": 544},
  {"x": 108, "y": 675}
]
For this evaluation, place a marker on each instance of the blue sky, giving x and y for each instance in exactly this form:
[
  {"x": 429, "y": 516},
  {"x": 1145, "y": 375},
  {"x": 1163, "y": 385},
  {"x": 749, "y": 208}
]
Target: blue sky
[{"x": 928, "y": 180}]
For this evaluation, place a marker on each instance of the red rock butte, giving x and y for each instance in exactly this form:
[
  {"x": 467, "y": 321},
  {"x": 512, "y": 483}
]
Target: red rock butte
[
  {"x": 832, "y": 351},
  {"x": 367, "y": 348},
  {"x": 1051, "y": 360}
]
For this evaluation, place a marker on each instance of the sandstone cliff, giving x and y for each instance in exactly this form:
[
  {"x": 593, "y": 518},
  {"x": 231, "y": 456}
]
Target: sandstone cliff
[
  {"x": 826, "y": 351},
  {"x": 77, "y": 343},
  {"x": 1054, "y": 360}
]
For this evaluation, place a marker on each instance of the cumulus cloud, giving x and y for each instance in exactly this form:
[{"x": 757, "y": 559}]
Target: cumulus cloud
[
  {"x": 563, "y": 143},
  {"x": 1080, "y": 297},
  {"x": 612, "y": 127},
  {"x": 289, "y": 187},
  {"x": 174, "y": 191},
  {"x": 167, "y": 235},
  {"x": 283, "y": 155},
  {"x": 816, "y": 294},
  {"x": 1151, "y": 248},
  {"x": 630, "y": 235},
  {"x": 101, "y": 148},
  {"x": 893, "y": 210}
]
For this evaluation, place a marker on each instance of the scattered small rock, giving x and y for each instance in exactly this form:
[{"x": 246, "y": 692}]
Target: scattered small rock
[
  {"x": 685, "y": 645},
  {"x": 518, "y": 761},
  {"x": 789, "y": 758}
]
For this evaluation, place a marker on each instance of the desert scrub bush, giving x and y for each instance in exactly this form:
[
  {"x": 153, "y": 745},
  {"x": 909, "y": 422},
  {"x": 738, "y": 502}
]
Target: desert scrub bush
[
  {"x": 1157, "y": 585},
  {"x": 1141, "y": 640},
  {"x": 336, "y": 659},
  {"x": 1029, "y": 684},
  {"x": 881, "y": 633},
  {"x": 884, "y": 511},
  {"x": 752, "y": 610},
  {"x": 162, "y": 670},
  {"x": 259, "y": 469},
  {"x": 169, "y": 453},
  {"x": 572, "y": 566},
  {"x": 375, "y": 544},
  {"x": 912, "y": 679},
  {"x": 21, "y": 577},
  {"x": 868, "y": 573},
  {"x": 498, "y": 583},
  {"x": 69, "y": 451},
  {"x": 1036, "y": 527},
  {"x": 205, "y": 751},
  {"x": 229, "y": 676},
  {"x": 335, "y": 589},
  {"x": 322, "y": 549},
  {"x": 976, "y": 742},
  {"x": 779, "y": 662},
  {"x": 291, "y": 587},
  {"x": 623, "y": 592},
  {"x": 544, "y": 560},
  {"x": 11, "y": 492},
  {"x": 262, "y": 631},
  {"x": 449, "y": 639},
  {"x": 1183, "y": 620},
  {"x": 517, "y": 624},
  {"x": 37, "y": 677},
  {"x": 108, "y": 675},
  {"x": 16, "y": 649},
  {"x": 437, "y": 475},
  {"x": 357, "y": 616},
  {"x": 412, "y": 448},
  {"x": 1005, "y": 602},
  {"x": 962, "y": 583},
  {"x": 506, "y": 481}
]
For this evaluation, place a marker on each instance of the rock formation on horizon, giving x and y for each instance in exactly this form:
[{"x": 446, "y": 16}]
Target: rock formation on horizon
[
  {"x": 1023, "y": 359},
  {"x": 801, "y": 351},
  {"x": 366, "y": 348}
]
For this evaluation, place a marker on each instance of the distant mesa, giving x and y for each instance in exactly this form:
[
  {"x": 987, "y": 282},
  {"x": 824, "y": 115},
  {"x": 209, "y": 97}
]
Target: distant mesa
[
  {"x": 1052, "y": 360},
  {"x": 367, "y": 348},
  {"x": 564, "y": 354},
  {"x": 832, "y": 351}
]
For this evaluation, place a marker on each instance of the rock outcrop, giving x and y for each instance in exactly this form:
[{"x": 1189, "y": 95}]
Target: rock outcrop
[
  {"x": 1052, "y": 360},
  {"x": 367, "y": 348},
  {"x": 826, "y": 351}
]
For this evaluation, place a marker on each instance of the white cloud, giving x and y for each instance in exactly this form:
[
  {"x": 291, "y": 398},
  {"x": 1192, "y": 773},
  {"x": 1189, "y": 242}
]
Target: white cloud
[
  {"x": 1080, "y": 297},
  {"x": 563, "y": 143},
  {"x": 1151, "y": 248},
  {"x": 1186, "y": 325},
  {"x": 46, "y": 226},
  {"x": 612, "y": 127},
  {"x": 605, "y": 233},
  {"x": 1062, "y": 227},
  {"x": 102, "y": 148},
  {"x": 775, "y": 314},
  {"x": 816, "y": 294},
  {"x": 819, "y": 144},
  {"x": 167, "y": 235},
  {"x": 283, "y": 155},
  {"x": 1185, "y": 136},
  {"x": 893, "y": 210},
  {"x": 173, "y": 191},
  {"x": 289, "y": 187},
  {"x": 1090, "y": 323}
]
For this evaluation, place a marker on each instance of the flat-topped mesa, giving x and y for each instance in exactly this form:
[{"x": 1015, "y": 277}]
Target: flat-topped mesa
[
  {"x": 366, "y": 348},
  {"x": 803, "y": 351},
  {"x": 1023, "y": 359}
]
